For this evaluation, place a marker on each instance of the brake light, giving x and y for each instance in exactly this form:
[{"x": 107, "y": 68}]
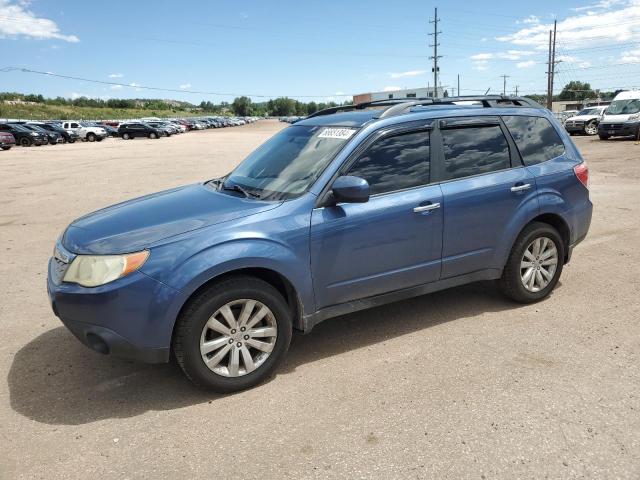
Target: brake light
[{"x": 582, "y": 172}]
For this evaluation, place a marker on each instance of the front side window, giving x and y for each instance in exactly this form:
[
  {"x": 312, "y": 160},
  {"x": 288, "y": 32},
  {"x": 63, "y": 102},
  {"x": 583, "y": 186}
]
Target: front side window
[
  {"x": 474, "y": 150},
  {"x": 289, "y": 162},
  {"x": 395, "y": 163},
  {"x": 535, "y": 138}
]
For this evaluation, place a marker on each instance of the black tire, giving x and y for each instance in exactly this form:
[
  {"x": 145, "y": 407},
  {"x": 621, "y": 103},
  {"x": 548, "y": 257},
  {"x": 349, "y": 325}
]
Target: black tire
[
  {"x": 99, "y": 139},
  {"x": 25, "y": 142},
  {"x": 192, "y": 320},
  {"x": 153, "y": 135},
  {"x": 126, "y": 136},
  {"x": 591, "y": 125},
  {"x": 91, "y": 137},
  {"x": 511, "y": 283},
  {"x": 6, "y": 148},
  {"x": 72, "y": 140},
  {"x": 603, "y": 137},
  {"x": 64, "y": 140}
]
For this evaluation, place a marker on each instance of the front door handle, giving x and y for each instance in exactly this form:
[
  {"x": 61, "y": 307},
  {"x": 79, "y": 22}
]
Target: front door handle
[
  {"x": 520, "y": 188},
  {"x": 426, "y": 208}
]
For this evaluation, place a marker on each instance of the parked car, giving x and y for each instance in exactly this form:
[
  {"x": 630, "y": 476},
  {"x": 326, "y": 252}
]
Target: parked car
[
  {"x": 23, "y": 136},
  {"x": 343, "y": 211},
  {"x": 111, "y": 131},
  {"x": 132, "y": 130},
  {"x": 86, "y": 131},
  {"x": 622, "y": 117},
  {"x": 165, "y": 128},
  {"x": 67, "y": 136},
  {"x": 585, "y": 121},
  {"x": 6, "y": 140},
  {"x": 53, "y": 138}
]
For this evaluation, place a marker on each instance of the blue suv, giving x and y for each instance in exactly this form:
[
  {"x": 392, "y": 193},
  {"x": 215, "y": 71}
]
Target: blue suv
[{"x": 353, "y": 207}]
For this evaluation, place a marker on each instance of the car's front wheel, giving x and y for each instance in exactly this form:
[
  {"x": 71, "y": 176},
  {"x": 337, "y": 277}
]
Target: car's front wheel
[
  {"x": 153, "y": 135},
  {"x": 233, "y": 334},
  {"x": 534, "y": 265},
  {"x": 591, "y": 128},
  {"x": 91, "y": 137},
  {"x": 126, "y": 136}
]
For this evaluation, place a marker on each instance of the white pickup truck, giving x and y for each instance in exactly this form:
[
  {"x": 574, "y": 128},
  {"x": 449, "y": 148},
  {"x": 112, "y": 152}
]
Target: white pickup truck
[{"x": 85, "y": 131}]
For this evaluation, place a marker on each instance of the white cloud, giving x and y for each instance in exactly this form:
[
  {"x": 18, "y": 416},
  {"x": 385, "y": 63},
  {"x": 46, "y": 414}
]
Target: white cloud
[
  {"x": 530, "y": 20},
  {"x": 410, "y": 73},
  {"x": 527, "y": 64},
  {"x": 133, "y": 84},
  {"x": 116, "y": 75},
  {"x": 616, "y": 21},
  {"x": 631, "y": 56},
  {"x": 339, "y": 93},
  {"x": 390, "y": 89},
  {"x": 481, "y": 65},
  {"x": 584, "y": 64},
  {"x": 185, "y": 86},
  {"x": 480, "y": 61},
  {"x": 116, "y": 87},
  {"x": 16, "y": 20}
]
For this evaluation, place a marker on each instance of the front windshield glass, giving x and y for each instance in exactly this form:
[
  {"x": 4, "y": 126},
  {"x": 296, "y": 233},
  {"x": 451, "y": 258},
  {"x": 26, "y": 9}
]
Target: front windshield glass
[
  {"x": 588, "y": 111},
  {"x": 288, "y": 163},
  {"x": 624, "y": 107},
  {"x": 19, "y": 127}
]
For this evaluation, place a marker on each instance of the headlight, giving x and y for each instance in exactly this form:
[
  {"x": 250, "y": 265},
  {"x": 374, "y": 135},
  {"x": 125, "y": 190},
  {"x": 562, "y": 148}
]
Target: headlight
[{"x": 95, "y": 270}]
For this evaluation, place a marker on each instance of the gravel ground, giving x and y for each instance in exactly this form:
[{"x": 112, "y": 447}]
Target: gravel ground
[{"x": 458, "y": 384}]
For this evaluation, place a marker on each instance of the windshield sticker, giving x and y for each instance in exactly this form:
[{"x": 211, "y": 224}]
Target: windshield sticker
[{"x": 337, "y": 133}]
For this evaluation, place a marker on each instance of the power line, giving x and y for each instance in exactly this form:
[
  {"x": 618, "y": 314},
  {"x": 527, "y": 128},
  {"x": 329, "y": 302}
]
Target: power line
[{"x": 175, "y": 90}]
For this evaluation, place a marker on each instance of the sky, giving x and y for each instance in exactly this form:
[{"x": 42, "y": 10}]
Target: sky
[{"x": 216, "y": 50}]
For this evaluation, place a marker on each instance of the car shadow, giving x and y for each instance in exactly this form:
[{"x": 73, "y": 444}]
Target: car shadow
[{"x": 56, "y": 380}]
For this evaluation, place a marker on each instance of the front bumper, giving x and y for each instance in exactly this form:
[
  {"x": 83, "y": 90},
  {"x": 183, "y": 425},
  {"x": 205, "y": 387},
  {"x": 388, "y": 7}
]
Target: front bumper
[
  {"x": 573, "y": 127},
  {"x": 130, "y": 318},
  {"x": 624, "y": 129}
]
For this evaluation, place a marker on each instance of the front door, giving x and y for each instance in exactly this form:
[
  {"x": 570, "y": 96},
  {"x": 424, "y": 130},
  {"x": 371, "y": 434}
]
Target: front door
[{"x": 393, "y": 241}]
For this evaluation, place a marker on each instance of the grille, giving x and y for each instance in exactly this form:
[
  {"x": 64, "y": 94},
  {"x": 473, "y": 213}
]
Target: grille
[{"x": 58, "y": 269}]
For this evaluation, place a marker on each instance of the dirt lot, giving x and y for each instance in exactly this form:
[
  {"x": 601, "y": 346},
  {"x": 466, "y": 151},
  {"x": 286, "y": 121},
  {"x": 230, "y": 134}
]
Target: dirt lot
[{"x": 459, "y": 384}]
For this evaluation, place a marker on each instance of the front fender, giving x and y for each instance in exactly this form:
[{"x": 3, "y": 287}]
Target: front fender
[{"x": 207, "y": 264}]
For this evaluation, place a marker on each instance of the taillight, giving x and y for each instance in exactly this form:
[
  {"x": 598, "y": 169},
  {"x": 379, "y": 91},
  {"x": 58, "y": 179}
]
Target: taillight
[{"x": 582, "y": 172}]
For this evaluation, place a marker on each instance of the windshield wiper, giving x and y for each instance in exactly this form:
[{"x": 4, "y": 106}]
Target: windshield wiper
[{"x": 237, "y": 188}]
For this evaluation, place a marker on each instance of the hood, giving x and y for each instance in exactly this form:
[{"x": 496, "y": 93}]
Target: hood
[
  {"x": 137, "y": 224},
  {"x": 583, "y": 118},
  {"x": 616, "y": 118}
]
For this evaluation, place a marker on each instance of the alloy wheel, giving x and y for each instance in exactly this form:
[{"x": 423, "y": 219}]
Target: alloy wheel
[
  {"x": 538, "y": 264},
  {"x": 591, "y": 128},
  {"x": 238, "y": 338}
]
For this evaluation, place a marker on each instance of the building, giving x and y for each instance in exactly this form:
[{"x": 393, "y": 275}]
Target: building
[
  {"x": 562, "y": 106},
  {"x": 391, "y": 95}
]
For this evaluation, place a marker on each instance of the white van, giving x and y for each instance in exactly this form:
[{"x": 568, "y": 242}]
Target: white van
[{"x": 622, "y": 117}]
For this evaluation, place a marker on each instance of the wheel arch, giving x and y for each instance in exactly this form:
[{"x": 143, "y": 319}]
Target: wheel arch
[{"x": 274, "y": 278}]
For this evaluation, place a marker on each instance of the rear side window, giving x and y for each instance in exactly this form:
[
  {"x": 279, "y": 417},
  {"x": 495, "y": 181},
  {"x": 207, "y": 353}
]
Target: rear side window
[
  {"x": 395, "y": 163},
  {"x": 535, "y": 137},
  {"x": 474, "y": 150}
]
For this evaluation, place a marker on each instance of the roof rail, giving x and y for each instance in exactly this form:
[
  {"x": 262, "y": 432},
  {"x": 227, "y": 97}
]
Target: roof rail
[{"x": 399, "y": 106}]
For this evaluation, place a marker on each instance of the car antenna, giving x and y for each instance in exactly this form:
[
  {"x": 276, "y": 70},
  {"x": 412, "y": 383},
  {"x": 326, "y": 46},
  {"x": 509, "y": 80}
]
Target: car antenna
[{"x": 487, "y": 91}]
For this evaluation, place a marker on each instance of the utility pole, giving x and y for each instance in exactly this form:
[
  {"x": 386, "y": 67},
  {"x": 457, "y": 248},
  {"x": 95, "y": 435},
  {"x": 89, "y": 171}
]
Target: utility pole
[
  {"x": 435, "y": 56},
  {"x": 458, "y": 84},
  {"x": 551, "y": 64},
  {"x": 504, "y": 84},
  {"x": 517, "y": 90}
]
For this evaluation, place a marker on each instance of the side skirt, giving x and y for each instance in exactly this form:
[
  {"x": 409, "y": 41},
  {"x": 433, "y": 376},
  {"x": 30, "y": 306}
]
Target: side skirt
[{"x": 310, "y": 321}]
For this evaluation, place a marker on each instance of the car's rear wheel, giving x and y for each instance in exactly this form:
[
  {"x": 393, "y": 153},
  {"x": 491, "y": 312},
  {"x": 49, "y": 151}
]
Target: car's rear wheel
[
  {"x": 153, "y": 135},
  {"x": 591, "y": 128},
  {"x": 233, "y": 335},
  {"x": 91, "y": 137},
  {"x": 25, "y": 142},
  {"x": 72, "y": 140},
  {"x": 126, "y": 136},
  {"x": 534, "y": 265}
]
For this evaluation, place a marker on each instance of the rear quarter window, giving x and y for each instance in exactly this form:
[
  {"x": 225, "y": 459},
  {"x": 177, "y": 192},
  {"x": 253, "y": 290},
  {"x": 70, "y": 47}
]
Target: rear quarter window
[{"x": 535, "y": 138}]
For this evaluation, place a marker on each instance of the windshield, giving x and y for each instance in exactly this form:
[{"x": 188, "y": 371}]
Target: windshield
[
  {"x": 624, "y": 107},
  {"x": 588, "y": 111},
  {"x": 288, "y": 163},
  {"x": 20, "y": 128}
]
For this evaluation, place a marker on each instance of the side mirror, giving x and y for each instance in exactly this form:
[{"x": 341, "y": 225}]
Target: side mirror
[{"x": 348, "y": 189}]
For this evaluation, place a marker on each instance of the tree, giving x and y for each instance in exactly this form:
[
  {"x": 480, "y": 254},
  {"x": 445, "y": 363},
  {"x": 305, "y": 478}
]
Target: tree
[
  {"x": 241, "y": 106},
  {"x": 576, "y": 90}
]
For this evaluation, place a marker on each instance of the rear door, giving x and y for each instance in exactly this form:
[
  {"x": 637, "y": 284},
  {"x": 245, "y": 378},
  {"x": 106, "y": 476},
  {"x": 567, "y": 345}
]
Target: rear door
[
  {"x": 394, "y": 240},
  {"x": 484, "y": 188}
]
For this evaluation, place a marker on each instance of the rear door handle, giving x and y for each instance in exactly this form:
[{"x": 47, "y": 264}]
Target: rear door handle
[
  {"x": 520, "y": 188},
  {"x": 426, "y": 208}
]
